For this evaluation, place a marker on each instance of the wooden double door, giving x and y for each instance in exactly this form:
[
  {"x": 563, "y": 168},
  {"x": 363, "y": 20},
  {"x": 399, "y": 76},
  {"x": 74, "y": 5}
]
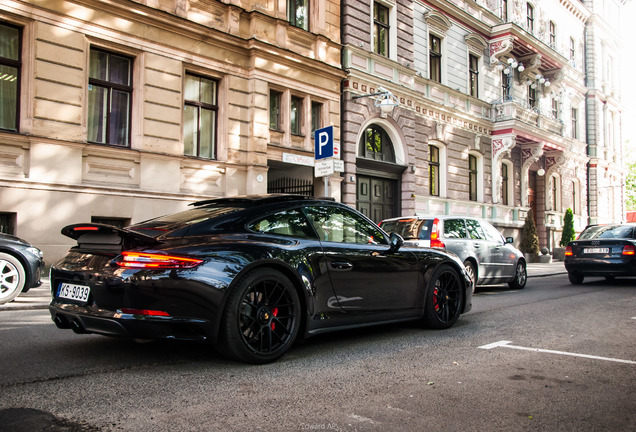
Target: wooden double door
[{"x": 377, "y": 197}]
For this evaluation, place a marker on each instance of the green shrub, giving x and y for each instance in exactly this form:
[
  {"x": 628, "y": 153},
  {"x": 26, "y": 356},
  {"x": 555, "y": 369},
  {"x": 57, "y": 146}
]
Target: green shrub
[
  {"x": 568, "y": 228},
  {"x": 529, "y": 237}
]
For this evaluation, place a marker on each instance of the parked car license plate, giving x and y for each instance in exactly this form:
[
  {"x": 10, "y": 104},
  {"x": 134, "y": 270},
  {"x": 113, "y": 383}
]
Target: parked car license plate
[
  {"x": 74, "y": 292},
  {"x": 596, "y": 250}
]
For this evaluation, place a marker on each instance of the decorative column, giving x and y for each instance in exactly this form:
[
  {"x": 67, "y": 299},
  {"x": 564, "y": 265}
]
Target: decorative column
[
  {"x": 529, "y": 156},
  {"x": 500, "y": 148}
]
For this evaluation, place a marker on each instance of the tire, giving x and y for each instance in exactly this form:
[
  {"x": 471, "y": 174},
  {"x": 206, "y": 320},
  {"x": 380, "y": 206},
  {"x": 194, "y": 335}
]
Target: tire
[
  {"x": 521, "y": 276},
  {"x": 12, "y": 277},
  {"x": 444, "y": 298},
  {"x": 575, "y": 278},
  {"x": 472, "y": 272},
  {"x": 262, "y": 317}
]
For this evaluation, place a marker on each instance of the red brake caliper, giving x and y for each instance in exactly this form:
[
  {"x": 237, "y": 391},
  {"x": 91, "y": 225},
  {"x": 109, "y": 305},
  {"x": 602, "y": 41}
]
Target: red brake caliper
[
  {"x": 275, "y": 313},
  {"x": 435, "y": 299}
]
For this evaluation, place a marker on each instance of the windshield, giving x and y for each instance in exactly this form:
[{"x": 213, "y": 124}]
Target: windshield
[{"x": 607, "y": 231}]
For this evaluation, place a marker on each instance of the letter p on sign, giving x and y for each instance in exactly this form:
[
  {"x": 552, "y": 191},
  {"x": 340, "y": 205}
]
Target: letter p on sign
[{"x": 323, "y": 143}]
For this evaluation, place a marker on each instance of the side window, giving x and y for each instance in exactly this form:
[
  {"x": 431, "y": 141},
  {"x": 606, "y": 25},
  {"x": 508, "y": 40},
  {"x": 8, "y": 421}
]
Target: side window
[
  {"x": 335, "y": 224},
  {"x": 288, "y": 223},
  {"x": 475, "y": 232},
  {"x": 454, "y": 229},
  {"x": 492, "y": 233}
]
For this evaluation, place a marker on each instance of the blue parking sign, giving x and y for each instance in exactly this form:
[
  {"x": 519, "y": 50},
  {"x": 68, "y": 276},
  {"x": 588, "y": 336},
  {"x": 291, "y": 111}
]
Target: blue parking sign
[{"x": 323, "y": 143}]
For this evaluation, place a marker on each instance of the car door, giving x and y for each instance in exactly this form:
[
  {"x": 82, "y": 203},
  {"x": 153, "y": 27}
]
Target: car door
[
  {"x": 481, "y": 249},
  {"x": 503, "y": 259},
  {"x": 365, "y": 277}
]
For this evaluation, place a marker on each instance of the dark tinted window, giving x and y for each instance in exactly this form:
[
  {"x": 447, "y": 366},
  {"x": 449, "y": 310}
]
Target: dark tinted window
[
  {"x": 454, "y": 229},
  {"x": 288, "y": 223},
  {"x": 608, "y": 231},
  {"x": 185, "y": 219},
  {"x": 409, "y": 229},
  {"x": 336, "y": 224}
]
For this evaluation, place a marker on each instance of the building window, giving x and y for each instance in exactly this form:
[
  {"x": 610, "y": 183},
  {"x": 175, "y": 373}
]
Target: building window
[
  {"x": 530, "y": 17},
  {"x": 473, "y": 67},
  {"x": 433, "y": 170},
  {"x": 298, "y": 13},
  {"x": 555, "y": 109},
  {"x": 552, "y": 34},
  {"x": 575, "y": 207},
  {"x": 376, "y": 144},
  {"x": 575, "y": 121},
  {"x": 381, "y": 29},
  {"x": 555, "y": 193},
  {"x": 200, "y": 117},
  {"x": 109, "y": 98},
  {"x": 505, "y": 197},
  {"x": 10, "y": 68},
  {"x": 274, "y": 110},
  {"x": 505, "y": 85},
  {"x": 504, "y": 10},
  {"x": 572, "y": 50},
  {"x": 296, "y": 116},
  {"x": 532, "y": 96},
  {"x": 8, "y": 222},
  {"x": 472, "y": 177},
  {"x": 435, "y": 58},
  {"x": 316, "y": 116}
]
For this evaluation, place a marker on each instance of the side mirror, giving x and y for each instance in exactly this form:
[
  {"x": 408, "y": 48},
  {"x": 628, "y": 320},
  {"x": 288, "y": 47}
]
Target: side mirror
[
  {"x": 396, "y": 241},
  {"x": 510, "y": 240}
]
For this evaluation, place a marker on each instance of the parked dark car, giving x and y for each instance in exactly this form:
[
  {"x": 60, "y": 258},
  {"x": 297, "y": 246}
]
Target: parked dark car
[
  {"x": 488, "y": 257},
  {"x": 21, "y": 267},
  {"x": 251, "y": 275},
  {"x": 602, "y": 250}
]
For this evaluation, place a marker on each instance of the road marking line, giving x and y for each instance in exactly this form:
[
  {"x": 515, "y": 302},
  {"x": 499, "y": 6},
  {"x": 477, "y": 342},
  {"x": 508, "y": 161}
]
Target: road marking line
[{"x": 506, "y": 344}]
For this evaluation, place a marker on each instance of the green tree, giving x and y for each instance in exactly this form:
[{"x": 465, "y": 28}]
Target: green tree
[
  {"x": 529, "y": 237},
  {"x": 630, "y": 189},
  {"x": 568, "y": 228}
]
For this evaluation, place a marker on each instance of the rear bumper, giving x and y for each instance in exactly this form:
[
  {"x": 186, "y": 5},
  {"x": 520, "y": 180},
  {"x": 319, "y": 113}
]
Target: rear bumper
[
  {"x": 609, "y": 267},
  {"x": 88, "y": 319}
]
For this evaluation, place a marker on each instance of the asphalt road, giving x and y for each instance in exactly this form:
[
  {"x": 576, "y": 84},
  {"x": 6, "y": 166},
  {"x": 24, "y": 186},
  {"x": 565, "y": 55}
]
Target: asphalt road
[{"x": 567, "y": 363}]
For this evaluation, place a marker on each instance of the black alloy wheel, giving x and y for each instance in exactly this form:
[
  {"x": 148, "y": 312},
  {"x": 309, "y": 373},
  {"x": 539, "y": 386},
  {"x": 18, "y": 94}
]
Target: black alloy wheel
[
  {"x": 444, "y": 298},
  {"x": 521, "y": 276},
  {"x": 262, "y": 317}
]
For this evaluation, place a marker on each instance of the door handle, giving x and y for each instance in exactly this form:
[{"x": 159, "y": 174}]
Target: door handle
[{"x": 341, "y": 265}]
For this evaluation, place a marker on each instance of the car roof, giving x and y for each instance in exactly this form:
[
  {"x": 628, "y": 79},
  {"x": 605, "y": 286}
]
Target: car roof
[
  {"x": 420, "y": 217},
  {"x": 259, "y": 199}
]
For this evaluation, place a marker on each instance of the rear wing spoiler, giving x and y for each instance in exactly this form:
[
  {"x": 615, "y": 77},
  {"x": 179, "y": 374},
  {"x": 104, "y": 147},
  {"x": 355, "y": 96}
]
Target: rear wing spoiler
[{"x": 101, "y": 238}]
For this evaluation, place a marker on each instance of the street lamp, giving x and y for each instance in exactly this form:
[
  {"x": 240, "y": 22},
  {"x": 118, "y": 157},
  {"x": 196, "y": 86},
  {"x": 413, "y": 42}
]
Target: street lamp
[
  {"x": 508, "y": 69},
  {"x": 386, "y": 102}
]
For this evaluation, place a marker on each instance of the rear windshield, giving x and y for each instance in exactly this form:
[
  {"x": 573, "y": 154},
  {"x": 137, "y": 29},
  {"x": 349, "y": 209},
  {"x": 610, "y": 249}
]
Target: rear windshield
[
  {"x": 169, "y": 223},
  {"x": 409, "y": 229},
  {"x": 607, "y": 231}
]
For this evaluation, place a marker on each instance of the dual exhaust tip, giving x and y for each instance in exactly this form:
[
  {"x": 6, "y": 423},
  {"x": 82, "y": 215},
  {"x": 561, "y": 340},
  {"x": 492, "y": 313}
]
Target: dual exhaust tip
[{"x": 63, "y": 322}]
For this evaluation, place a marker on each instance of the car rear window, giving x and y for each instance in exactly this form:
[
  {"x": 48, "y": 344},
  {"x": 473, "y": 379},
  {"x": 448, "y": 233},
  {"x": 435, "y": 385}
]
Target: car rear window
[
  {"x": 607, "y": 231},
  {"x": 173, "y": 222},
  {"x": 409, "y": 229}
]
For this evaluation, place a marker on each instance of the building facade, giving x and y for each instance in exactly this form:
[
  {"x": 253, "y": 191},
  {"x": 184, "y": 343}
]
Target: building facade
[
  {"x": 121, "y": 111},
  {"x": 505, "y": 107}
]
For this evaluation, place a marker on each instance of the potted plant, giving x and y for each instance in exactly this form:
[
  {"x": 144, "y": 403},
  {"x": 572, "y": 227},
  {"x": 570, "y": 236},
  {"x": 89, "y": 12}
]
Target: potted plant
[{"x": 529, "y": 239}]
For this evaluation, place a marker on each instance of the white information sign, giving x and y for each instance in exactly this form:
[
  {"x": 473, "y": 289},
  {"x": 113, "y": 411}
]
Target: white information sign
[
  {"x": 338, "y": 165},
  {"x": 323, "y": 168}
]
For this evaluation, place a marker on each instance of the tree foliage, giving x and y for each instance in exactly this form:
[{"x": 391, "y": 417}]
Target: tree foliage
[
  {"x": 529, "y": 237},
  {"x": 568, "y": 233},
  {"x": 630, "y": 189}
]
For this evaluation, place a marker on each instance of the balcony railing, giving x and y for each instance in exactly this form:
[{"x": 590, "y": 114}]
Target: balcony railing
[{"x": 513, "y": 109}]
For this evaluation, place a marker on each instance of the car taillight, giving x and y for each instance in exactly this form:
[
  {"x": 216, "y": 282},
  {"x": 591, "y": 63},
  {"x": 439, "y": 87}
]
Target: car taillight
[
  {"x": 628, "y": 250},
  {"x": 130, "y": 259},
  {"x": 568, "y": 251},
  {"x": 435, "y": 241},
  {"x": 144, "y": 312}
]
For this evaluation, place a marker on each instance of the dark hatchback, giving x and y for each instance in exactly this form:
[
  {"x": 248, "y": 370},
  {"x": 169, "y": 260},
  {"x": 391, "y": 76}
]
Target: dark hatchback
[
  {"x": 602, "y": 250},
  {"x": 21, "y": 266},
  {"x": 251, "y": 275}
]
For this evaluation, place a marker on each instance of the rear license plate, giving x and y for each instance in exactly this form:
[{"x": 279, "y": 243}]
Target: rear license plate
[
  {"x": 596, "y": 250},
  {"x": 74, "y": 292}
]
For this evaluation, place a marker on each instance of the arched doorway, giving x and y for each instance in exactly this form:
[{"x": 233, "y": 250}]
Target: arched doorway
[{"x": 378, "y": 175}]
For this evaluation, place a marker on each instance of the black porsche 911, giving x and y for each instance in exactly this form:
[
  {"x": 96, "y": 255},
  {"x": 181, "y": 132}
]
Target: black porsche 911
[{"x": 251, "y": 275}]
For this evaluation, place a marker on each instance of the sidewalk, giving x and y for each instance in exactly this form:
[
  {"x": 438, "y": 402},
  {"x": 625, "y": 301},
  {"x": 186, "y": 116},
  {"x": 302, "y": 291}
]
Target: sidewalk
[{"x": 40, "y": 297}]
